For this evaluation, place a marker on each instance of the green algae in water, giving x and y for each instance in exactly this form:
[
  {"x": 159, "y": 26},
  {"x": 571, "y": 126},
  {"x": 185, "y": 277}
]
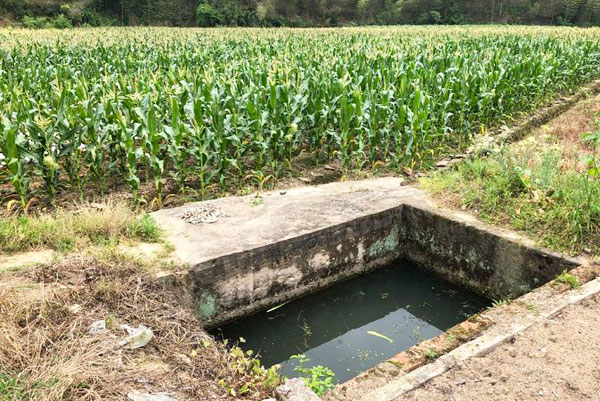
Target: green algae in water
[{"x": 354, "y": 325}]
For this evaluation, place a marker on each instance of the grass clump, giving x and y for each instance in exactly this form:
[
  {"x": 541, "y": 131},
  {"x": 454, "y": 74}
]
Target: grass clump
[
  {"x": 144, "y": 227},
  {"x": 431, "y": 354},
  {"x": 568, "y": 278},
  {"x": 66, "y": 231},
  {"x": 529, "y": 188},
  {"x": 10, "y": 388}
]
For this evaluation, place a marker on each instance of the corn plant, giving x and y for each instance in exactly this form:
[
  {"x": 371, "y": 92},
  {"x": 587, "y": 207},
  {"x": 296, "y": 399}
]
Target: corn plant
[{"x": 213, "y": 110}]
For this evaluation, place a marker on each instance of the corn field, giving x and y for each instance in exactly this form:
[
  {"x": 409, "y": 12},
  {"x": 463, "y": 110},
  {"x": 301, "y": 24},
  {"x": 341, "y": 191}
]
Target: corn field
[{"x": 205, "y": 110}]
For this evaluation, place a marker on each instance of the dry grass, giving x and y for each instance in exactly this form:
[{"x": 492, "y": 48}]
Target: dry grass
[
  {"x": 47, "y": 353},
  {"x": 566, "y": 132},
  {"x": 68, "y": 230}
]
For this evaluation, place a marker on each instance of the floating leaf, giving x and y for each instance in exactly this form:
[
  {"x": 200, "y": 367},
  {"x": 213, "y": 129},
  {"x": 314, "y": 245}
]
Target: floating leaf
[{"x": 376, "y": 334}]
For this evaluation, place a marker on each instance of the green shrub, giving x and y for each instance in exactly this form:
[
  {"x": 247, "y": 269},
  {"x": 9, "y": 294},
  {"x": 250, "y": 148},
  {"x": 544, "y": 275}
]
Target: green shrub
[
  {"x": 35, "y": 22},
  {"x": 207, "y": 15},
  {"x": 92, "y": 18},
  {"x": 61, "y": 22}
]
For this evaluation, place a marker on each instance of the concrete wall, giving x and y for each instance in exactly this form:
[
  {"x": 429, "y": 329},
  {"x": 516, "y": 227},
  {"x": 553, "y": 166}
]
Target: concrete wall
[
  {"x": 489, "y": 262},
  {"x": 239, "y": 284},
  {"x": 493, "y": 263}
]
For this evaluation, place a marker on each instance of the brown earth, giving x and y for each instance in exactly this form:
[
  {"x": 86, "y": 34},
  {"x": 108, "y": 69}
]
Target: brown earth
[{"x": 557, "y": 359}]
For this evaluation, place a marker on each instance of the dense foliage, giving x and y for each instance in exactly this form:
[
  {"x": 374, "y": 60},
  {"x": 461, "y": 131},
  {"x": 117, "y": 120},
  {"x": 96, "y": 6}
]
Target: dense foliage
[
  {"x": 215, "y": 109},
  {"x": 308, "y": 12}
]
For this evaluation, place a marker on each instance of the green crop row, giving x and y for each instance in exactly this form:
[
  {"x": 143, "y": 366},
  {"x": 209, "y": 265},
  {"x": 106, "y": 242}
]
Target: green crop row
[{"x": 206, "y": 110}]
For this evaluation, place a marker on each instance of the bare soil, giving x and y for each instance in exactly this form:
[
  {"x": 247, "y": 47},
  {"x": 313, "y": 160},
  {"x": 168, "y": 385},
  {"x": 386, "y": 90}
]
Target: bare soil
[{"x": 557, "y": 359}]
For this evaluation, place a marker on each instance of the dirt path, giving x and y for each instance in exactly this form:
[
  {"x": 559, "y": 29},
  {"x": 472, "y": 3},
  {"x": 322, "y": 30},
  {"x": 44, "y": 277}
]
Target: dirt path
[{"x": 558, "y": 359}]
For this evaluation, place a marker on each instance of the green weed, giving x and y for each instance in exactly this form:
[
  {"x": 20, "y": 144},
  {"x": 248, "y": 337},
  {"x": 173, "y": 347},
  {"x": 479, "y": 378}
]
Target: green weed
[
  {"x": 500, "y": 302},
  {"x": 568, "y": 278},
  {"x": 256, "y": 200},
  {"x": 11, "y": 389},
  {"x": 144, "y": 227},
  {"x": 431, "y": 354},
  {"x": 532, "y": 308},
  {"x": 450, "y": 338},
  {"x": 16, "y": 389},
  {"x": 319, "y": 379}
]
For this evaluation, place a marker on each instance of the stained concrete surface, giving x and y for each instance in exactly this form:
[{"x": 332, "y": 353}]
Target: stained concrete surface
[{"x": 249, "y": 224}]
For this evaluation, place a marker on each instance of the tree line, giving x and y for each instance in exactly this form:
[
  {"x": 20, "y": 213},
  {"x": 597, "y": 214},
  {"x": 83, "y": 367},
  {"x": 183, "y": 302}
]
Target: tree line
[{"x": 307, "y": 12}]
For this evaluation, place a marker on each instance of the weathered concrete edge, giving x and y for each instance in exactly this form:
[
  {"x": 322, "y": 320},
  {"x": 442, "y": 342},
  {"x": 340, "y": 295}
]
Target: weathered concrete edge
[
  {"x": 241, "y": 283},
  {"x": 479, "y": 346}
]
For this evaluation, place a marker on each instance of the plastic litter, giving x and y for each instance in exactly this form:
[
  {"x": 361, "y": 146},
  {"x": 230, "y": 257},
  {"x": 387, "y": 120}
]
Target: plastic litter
[
  {"x": 136, "y": 396},
  {"x": 137, "y": 338},
  {"x": 76, "y": 308},
  {"x": 98, "y": 327}
]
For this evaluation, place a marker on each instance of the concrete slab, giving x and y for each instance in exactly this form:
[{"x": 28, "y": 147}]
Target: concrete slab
[{"x": 249, "y": 224}]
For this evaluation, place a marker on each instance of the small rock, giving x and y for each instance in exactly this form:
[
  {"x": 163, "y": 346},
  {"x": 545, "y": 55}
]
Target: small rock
[
  {"x": 270, "y": 399},
  {"x": 442, "y": 163},
  {"x": 295, "y": 390},
  {"x": 282, "y": 192}
]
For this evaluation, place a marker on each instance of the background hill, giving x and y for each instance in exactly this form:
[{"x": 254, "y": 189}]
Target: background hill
[{"x": 304, "y": 12}]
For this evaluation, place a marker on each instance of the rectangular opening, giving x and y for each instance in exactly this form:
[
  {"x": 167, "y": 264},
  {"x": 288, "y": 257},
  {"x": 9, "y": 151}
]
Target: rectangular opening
[{"x": 356, "y": 324}]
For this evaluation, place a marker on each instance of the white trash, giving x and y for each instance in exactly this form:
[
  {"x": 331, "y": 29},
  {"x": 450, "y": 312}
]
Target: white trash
[
  {"x": 136, "y": 396},
  {"x": 98, "y": 327},
  {"x": 137, "y": 337}
]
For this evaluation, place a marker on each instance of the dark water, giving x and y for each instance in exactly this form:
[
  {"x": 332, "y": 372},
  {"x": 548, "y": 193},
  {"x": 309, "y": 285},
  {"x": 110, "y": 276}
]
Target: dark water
[{"x": 331, "y": 327}]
